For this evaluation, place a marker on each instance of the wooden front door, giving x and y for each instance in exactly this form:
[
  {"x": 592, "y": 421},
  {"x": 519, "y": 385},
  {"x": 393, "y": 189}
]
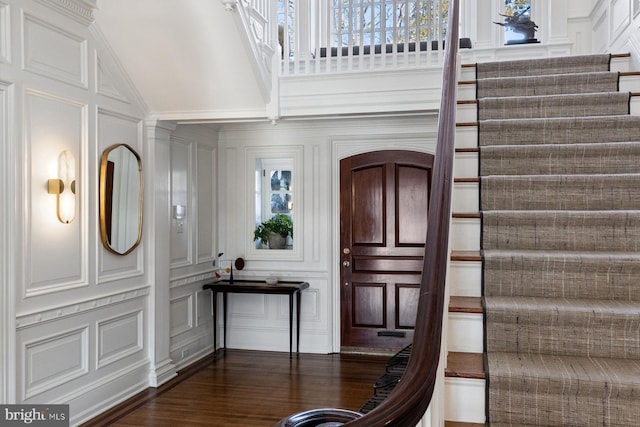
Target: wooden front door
[{"x": 384, "y": 199}]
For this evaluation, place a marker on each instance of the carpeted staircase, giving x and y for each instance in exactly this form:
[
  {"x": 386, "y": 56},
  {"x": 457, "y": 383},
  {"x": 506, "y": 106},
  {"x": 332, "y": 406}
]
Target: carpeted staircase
[{"x": 560, "y": 202}]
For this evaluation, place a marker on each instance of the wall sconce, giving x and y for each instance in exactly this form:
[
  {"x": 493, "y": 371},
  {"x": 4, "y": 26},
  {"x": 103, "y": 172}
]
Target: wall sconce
[{"x": 64, "y": 187}]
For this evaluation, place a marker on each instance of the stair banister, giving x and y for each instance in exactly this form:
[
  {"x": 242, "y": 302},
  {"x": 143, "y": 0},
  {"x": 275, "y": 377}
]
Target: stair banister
[{"x": 410, "y": 399}]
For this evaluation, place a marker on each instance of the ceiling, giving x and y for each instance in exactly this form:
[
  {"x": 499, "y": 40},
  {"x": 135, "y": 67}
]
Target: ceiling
[{"x": 186, "y": 58}]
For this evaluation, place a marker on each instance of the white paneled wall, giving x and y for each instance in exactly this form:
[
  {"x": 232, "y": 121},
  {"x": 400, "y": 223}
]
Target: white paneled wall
[
  {"x": 193, "y": 248},
  {"x": 74, "y": 316}
]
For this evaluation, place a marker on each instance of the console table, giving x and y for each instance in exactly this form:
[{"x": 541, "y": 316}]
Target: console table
[{"x": 256, "y": 287}]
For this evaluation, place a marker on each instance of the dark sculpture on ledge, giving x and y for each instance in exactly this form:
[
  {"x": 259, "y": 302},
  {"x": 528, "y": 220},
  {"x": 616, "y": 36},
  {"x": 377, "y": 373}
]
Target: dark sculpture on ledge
[{"x": 520, "y": 24}]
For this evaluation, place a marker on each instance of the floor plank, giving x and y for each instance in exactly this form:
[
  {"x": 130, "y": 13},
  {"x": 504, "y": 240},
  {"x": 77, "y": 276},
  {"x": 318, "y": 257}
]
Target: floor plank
[{"x": 250, "y": 388}]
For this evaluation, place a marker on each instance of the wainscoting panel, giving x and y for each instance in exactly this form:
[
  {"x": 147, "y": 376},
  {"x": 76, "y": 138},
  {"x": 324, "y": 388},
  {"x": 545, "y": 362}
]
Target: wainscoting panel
[
  {"x": 105, "y": 85},
  {"x": 620, "y": 17},
  {"x": 56, "y": 359},
  {"x": 5, "y": 34},
  {"x": 115, "y": 128},
  {"x": 53, "y": 124},
  {"x": 54, "y": 52},
  {"x": 205, "y": 196},
  {"x": 600, "y": 32},
  {"x": 181, "y": 185},
  {"x": 119, "y": 337},
  {"x": 82, "y": 351},
  {"x": 204, "y": 308},
  {"x": 181, "y": 312}
]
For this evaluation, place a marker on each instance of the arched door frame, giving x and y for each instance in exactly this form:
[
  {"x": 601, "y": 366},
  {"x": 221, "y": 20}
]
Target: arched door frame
[{"x": 342, "y": 147}]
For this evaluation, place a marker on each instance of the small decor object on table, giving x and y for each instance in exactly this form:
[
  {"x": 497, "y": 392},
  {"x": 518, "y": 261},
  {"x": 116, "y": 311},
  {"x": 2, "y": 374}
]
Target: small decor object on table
[
  {"x": 271, "y": 280},
  {"x": 520, "y": 23},
  {"x": 274, "y": 232}
]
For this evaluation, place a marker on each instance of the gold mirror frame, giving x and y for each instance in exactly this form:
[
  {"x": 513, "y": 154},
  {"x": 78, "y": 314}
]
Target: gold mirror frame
[{"x": 108, "y": 171}]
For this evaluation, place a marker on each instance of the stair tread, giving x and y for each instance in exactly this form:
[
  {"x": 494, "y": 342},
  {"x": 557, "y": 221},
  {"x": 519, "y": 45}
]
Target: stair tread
[
  {"x": 462, "y": 424},
  {"x": 468, "y": 180},
  {"x": 462, "y": 304},
  {"x": 465, "y": 365},
  {"x": 466, "y": 256}
]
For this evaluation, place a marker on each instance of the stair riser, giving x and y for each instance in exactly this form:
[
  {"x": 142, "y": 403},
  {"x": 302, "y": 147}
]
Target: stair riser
[
  {"x": 621, "y": 64},
  {"x": 465, "y": 278},
  {"x": 464, "y": 400},
  {"x": 469, "y": 112},
  {"x": 466, "y": 136},
  {"x": 626, "y": 84},
  {"x": 605, "y": 277},
  {"x": 572, "y": 193},
  {"x": 523, "y": 413},
  {"x": 465, "y": 197},
  {"x": 563, "y": 131},
  {"x": 465, "y": 332},
  {"x": 580, "y": 231},
  {"x": 465, "y": 234},
  {"x": 561, "y": 159},
  {"x": 599, "y": 333},
  {"x": 465, "y": 165}
]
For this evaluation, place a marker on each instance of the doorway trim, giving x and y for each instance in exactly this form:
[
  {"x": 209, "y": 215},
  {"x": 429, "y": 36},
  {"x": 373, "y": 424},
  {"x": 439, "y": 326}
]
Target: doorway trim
[{"x": 346, "y": 146}]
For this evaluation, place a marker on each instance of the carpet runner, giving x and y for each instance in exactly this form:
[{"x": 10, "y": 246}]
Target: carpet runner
[{"x": 560, "y": 201}]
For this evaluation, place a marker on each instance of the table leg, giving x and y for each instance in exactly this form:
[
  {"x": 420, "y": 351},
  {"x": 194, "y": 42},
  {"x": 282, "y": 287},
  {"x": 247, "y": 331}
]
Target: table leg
[
  {"x": 224, "y": 320},
  {"x": 298, "y": 297},
  {"x": 290, "y": 324},
  {"x": 215, "y": 320}
]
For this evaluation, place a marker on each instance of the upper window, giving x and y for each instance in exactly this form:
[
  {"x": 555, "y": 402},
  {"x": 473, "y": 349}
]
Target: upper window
[
  {"x": 341, "y": 23},
  {"x": 369, "y": 22}
]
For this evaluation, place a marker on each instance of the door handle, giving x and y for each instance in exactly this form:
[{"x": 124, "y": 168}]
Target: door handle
[{"x": 346, "y": 264}]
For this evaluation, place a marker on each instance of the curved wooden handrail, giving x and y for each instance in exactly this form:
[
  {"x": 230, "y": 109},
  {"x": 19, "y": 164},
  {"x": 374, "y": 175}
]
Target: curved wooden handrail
[
  {"x": 410, "y": 399},
  {"x": 408, "y": 402}
]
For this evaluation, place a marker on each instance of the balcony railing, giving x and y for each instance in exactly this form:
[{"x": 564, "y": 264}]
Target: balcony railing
[{"x": 358, "y": 35}]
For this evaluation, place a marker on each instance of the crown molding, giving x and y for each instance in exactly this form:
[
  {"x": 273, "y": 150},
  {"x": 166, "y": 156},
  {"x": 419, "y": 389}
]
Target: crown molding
[{"x": 78, "y": 10}]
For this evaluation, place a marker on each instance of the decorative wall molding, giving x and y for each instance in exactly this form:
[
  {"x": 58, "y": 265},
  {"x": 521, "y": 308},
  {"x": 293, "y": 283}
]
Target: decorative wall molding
[
  {"x": 118, "y": 337},
  {"x": 51, "y": 314},
  {"x": 180, "y": 314},
  {"x": 52, "y": 124},
  {"x": 98, "y": 396},
  {"x": 620, "y": 11},
  {"x": 182, "y": 188},
  {"x": 105, "y": 85},
  {"x": 205, "y": 196},
  {"x": 110, "y": 60},
  {"x": 79, "y": 10},
  {"x": 54, "y": 52},
  {"x": 54, "y": 360},
  {"x": 5, "y": 33},
  {"x": 7, "y": 242},
  {"x": 204, "y": 308},
  {"x": 189, "y": 279}
]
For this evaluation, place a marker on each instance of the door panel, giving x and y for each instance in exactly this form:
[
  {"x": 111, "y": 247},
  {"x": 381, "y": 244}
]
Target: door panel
[
  {"x": 413, "y": 202},
  {"x": 383, "y": 221},
  {"x": 368, "y": 208}
]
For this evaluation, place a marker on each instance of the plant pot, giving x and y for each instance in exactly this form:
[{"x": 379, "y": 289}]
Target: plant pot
[{"x": 276, "y": 241}]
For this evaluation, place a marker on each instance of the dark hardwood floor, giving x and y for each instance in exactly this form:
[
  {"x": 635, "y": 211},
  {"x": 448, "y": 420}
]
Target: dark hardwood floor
[{"x": 251, "y": 388}]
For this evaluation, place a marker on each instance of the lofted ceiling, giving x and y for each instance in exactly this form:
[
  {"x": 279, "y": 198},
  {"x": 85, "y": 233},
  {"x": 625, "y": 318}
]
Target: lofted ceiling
[{"x": 186, "y": 58}]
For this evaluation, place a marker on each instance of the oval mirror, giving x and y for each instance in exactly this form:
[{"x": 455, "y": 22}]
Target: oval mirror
[{"x": 120, "y": 199}]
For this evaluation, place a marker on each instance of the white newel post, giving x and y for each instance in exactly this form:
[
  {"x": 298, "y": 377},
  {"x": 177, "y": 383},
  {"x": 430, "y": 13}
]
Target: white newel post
[{"x": 157, "y": 216}]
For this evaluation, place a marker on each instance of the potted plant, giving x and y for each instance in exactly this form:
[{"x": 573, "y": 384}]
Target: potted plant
[{"x": 274, "y": 231}]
